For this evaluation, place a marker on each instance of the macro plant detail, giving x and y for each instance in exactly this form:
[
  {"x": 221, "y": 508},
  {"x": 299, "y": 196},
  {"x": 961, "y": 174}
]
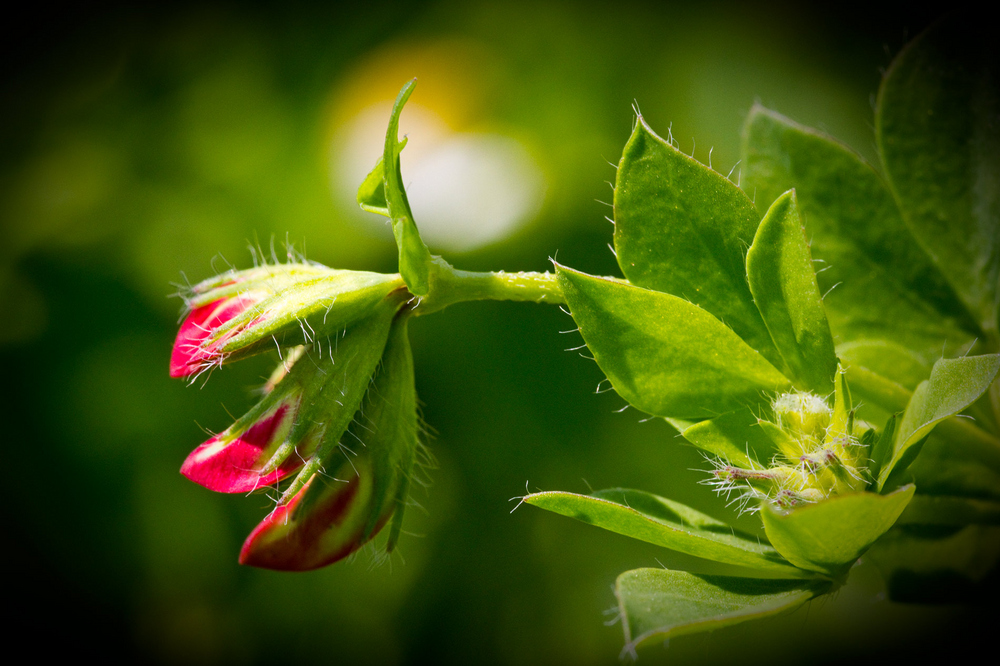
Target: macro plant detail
[{"x": 854, "y": 408}]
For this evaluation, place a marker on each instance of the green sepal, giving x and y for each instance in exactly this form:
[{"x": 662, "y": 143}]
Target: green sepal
[
  {"x": 308, "y": 311},
  {"x": 954, "y": 384},
  {"x": 270, "y": 278},
  {"x": 664, "y": 355},
  {"x": 829, "y": 536},
  {"x": 783, "y": 283},
  {"x": 681, "y": 228},
  {"x": 659, "y": 604},
  {"x": 414, "y": 257},
  {"x": 335, "y": 404},
  {"x": 387, "y": 429},
  {"x": 666, "y": 523}
]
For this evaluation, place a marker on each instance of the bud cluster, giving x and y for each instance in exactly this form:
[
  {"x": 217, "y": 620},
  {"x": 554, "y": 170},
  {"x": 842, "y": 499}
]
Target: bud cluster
[
  {"x": 337, "y": 419},
  {"x": 816, "y": 454}
]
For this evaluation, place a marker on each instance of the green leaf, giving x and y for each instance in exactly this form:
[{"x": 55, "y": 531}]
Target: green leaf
[
  {"x": 658, "y": 604},
  {"x": 878, "y": 282},
  {"x": 938, "y": 564},
  {"x": 937, "y": 131},
  {"x": 414, "y": 257},
  {"x": 831, "y": 535},
  {"x": 371, "y": 193},
  {"x": 663, "y": 354},
  {"x": 954, "y": 384},
  {"x": 783, "y": 284},
  {"x": 887, "y": 359},
  {"x": 682, "y": 228},
  {"x": 736, "y": 437},
  {"x": 660, "y": 521}
]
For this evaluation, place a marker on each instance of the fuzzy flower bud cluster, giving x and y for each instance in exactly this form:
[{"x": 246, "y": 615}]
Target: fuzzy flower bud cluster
[
  {"x": 816, "y": 454},
  {"x": 337, "y": 422}
]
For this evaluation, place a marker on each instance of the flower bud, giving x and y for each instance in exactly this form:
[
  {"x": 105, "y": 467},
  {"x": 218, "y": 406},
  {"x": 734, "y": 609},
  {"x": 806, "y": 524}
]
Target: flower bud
[
  {"x": 333, "y": 515},
  {"x": 309, "y": 394},
  {"x": 244, "y": 312}
]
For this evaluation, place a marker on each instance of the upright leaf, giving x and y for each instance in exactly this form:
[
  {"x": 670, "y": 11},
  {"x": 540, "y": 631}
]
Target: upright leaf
[
  {"x": 938, "y": 134},
  {"x": 682, "y": 228},
  {"x": 666, "y": 523},
  {"x": 783, "y": 284},
  {"x": 658, "y": 604},
  {"x": 954, "y": 384},
  {"x": 663, "y": 354},
  {"x": 878, "y": 282},
  {"x": 414, "y": 257},
  {"x": 831, "y": 535}
]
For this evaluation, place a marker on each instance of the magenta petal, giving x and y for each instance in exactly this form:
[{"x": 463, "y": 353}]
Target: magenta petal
[
  {"x": 190, "y": 354},
  {"x": 332, "y": 528},
  {"x": 230, "y": 466}
]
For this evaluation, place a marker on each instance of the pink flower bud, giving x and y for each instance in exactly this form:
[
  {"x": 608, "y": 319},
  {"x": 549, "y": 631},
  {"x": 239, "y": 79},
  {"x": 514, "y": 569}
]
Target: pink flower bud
[
  {"x": 195, "y": 349},
  {"x": 325, "y": 522},
  {"x": 242, "y": 460}
]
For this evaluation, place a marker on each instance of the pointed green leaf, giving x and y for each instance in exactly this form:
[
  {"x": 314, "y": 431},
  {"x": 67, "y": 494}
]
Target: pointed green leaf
[
  {"x": 660, "y": 521},
  {"x": 664, "y": 355},
  {"x": 658, "y": 604},
  {"x": 831, "y": 535},
  {"x": 783, "y": 284},
  {"x": 371, "y": 193},
  {"x": 682, "y": 228},
  {"x": 954, "y": 384},
  {"x": 736, "y": 437},
  {"x": 414, "y": 257},
  {"x": 937, "y": 131},
  {"x": 878, "y": 282}
]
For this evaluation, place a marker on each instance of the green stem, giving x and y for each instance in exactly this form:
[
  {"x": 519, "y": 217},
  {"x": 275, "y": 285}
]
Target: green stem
[{"x": 450, "y": 285}]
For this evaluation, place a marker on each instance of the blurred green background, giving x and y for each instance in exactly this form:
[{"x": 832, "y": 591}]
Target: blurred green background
[{"x": 148, "y": 147}]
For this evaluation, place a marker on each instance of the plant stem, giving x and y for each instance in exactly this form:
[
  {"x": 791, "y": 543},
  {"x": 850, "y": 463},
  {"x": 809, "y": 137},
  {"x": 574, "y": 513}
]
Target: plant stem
[{"x": 450, "y": 285}]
